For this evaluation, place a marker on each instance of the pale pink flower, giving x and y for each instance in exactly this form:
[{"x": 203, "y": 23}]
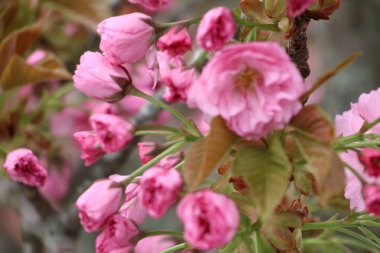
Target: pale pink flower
[
  {"x": 159, "y": 190},
  {"x": 175, "y": 42},
  {"x": 116, "y": 237},
  {"x": 215, "y": 29},
  {"x": 297, "y": 7},
  {"x": 74, "y": 120},
  {"x": 90, "y": 145},
  {"x": 254, "y": 86},
  {"x": 97, "y": 78},
  {"x": 98, "y": 203},
  {"x": 114, "y": 133},
  {"x": 132, "y": 208},
  {"x": 36, "y": 57},
  {"x": 147, "y": 151},
  {"x": 153, "y": 5},
  {"x": 154, "y": 244},
  {"x": 351, "y": 122},
  {"x": 210, "y": 219},
  {"x": 57, "y": 183},
  {"x": 23, "y": 166},
  {"x": 372, "y": 199},
  {"x": 178, "y": 82},
  {"x": 370, "y": 158},
  {"x": 126, "y": 38}
]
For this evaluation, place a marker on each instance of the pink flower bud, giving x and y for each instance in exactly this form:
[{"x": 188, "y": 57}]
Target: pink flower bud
[
  {"x": 370, "y": 158},
  {"x": 210, "y": 219},
  {"x": 116, "y": 237},
  {"x": 132, "y": 208},
  {"x": 178, "y": 83},
  {"x": 372, "y": 199},
  {"x": 90, "y": 145},
  {"x": 147, "y": 151},
  {"x": 98, "y": 203},
  {"x": 99, "y": 79},
  {"x": 215, "y": 29},
  {"x": 113, "y": 132},
  {"x": 175, "y": 42},
  {"x": 126, "y": 38},
  {"x": 153, "y": 5},
  {"x": 159, "y": 190},
  {"x": 23, "y": 166},
  {"x": 154, "y": 244},
  {"x": 297, "y": 7}
]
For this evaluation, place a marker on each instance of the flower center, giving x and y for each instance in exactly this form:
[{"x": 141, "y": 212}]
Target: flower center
[{"x": 246, "y": 79}]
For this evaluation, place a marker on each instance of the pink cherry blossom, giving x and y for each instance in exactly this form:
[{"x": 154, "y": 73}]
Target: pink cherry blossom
[
  {"x": 113, "y": 132},
  {"x": 154, "y": 244},
  {"x": 372, "y": 199},
  {"x": 175, "y": 42},
  {"x": 297, "y": 7},
  {"x": 98, "y": 203},
  {"x": 116, "y": 237},
  {"x": 370, "y": 158},
  {"x": 210, "y": 219},
  {"x": 215, "y": 29},
  {"x": 146, "y": 151},
  {"x": 178, "y": 82},
  {"x": 132, "y": 208},
  {"x": 159, "y": 190},
  {"x": 23, "y": 166},
  {"x": 36, "y": 57},
  {"x": 153, "y": 5},
  {"x": 254, "y": 86},
  {"x": 95, "y": 77},
  {"x": 351, "y": 122},
  {"x": 126, "y": 38},
  {"x": 90, "y": 145}
]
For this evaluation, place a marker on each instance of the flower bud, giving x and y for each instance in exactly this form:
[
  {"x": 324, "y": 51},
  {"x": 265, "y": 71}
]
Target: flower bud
[
  {"x": 126, "y": 38},
  {"x": 113, "y": 132},
  {"x": 98, "y": 203},
  {"x": 178, "y": 82},
  {"x": 99, "y": 79},
  {"x": 370, "y": 158},
  {"x": 297, "y": 7},
  {"x": 159, "y": 190},
  {"x": 90, "y": 145},
  {"x": 215, "y": 29},
  {"x": 132, "y": 208},
  {"x": 153, "y": 5},
  {"x": 23, "y": 166},
  {"x": 175, "y": 42},
  {"x": 147, "y": 151},
  {"x": 210, "y": 219},
  {"x": 372, "y": 199}
]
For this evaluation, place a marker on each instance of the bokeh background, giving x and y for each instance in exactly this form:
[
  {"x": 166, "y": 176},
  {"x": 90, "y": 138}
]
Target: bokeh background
[{"x": 70, "y": 31}]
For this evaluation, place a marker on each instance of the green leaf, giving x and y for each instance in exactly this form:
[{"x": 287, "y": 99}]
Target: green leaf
[
  {"x": 266, "y": 171},
  {"x": 205, "y": 155},
  {"x": 18, "y": 72}
]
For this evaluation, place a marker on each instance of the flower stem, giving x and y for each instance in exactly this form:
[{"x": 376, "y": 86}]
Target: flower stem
[
  {"x": 338, "y": 224},
  {"x": 368, "y": 126},
  {"x": 357, "y": 174},
  {"x": 361, "y": 144},
  {"x": 176, "y": 147},
  {"x": 161, "y": 232},
  {"x": 176, "y": 248},
  {"x": 146, "y": 132},
  {"x": 186, "y": 22}
]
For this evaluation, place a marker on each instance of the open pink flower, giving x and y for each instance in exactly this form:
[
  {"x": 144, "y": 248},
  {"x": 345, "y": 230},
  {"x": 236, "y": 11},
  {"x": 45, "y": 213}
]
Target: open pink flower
[
  {"x": 215, "y": 29},
  {"x": 116, "y": 237},
  {"x": 210, "y": 219},
  {"x": 132, "y": 208},
  {"x": 126, "y": 38},
  {"x": 175, "y": 42},
  {"x": 95, "y": 77},
  {"x": 23, "y": 166},
  {"x": 178, "y": 82},
  {"x": 297, "y": 7},
  {"x": 159, "y": 190},
  {"x": 98, "y": 203},
  {"x": 90, "y": 145},
  {"x": 254, "y": 86},
  {"x": 113, "y": 132},
  {"x": 153, "y": 5},
  {"x": 351, "y": 122},
  {"x": 370, "y": 158},
  {"x": 372, "y": 199}
]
